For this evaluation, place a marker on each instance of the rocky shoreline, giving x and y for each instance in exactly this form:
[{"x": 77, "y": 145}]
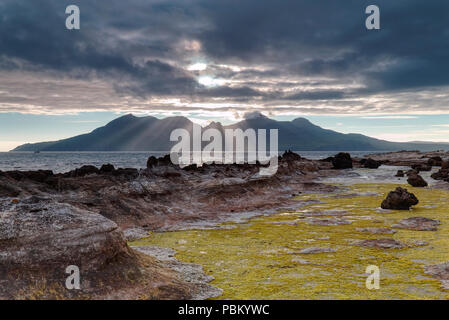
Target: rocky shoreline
[{"x": 84, "y": 217}]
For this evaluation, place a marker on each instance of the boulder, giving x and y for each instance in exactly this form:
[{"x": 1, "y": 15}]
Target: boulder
[
  {"x": 371, "y": 164},
  {"x": 400, "y": 174},
  {"x": 40, "y": 238},
  {"x": 342, "y": 161},
  {"x": 442, "y": 174},
  {"x": 417, "y": 181},
  {"x": 411, "y": 172},
  {"x": 399, "y": 199}
]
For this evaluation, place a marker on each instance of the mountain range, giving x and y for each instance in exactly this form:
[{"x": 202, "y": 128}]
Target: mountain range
[{"x": 131, "y": 133}]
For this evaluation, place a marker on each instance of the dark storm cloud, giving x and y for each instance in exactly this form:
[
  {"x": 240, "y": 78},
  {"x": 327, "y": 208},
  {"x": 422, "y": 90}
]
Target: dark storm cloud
[
  {"x": 291, "y": 50},
  {"x": 329, "y": 37}
]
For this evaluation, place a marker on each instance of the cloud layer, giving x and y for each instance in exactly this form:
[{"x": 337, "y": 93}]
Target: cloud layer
[{"x": 281, "y": 57}]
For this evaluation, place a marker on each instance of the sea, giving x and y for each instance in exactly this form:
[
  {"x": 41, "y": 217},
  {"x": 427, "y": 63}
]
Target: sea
[{"x": 60, "y": 162}]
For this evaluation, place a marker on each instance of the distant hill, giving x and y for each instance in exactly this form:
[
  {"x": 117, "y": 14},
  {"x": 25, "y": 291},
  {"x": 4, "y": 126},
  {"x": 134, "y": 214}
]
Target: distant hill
[{"x": 130, "y": 133}]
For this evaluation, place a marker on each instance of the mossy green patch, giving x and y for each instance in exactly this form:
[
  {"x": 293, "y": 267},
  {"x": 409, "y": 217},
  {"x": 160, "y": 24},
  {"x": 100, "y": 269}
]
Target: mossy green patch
[{"x": 261, "y": 259}]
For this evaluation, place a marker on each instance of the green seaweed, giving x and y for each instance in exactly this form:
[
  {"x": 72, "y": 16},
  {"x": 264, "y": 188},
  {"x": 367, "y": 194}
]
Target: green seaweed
[{"x": 260, "y": 259}]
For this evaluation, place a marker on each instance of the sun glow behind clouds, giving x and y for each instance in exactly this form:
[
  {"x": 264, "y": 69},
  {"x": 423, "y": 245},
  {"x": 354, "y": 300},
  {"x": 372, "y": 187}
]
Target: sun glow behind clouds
[
  {"x": 209, "y": 81},
  {"x": 197, "y": 67}
]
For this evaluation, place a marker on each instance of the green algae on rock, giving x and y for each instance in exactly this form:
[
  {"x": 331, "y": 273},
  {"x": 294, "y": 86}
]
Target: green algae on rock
[{"x": 261, "y": 258}]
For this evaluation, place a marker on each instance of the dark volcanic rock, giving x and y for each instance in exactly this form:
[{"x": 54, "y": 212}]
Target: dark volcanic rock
[
  {"x": 417, "y": 181},
  {"x": 152, "y": 161},
  {"x": 400, "y": 199},
  {"x": 130, "y": 173},
  {"x": 442, "y": 174},
  {"x": 83, "y": 171},
  {"x": 381, "y": 244},
  {"x": 107, "y": 168},
  {"x": 400, "y": 174},
  {"x": 371, "y": 164},
  {"x": 342, "y": 161},
  {"x": 445, "y": 165},
  {"x": 291, "y": 156},
  {"x": 418, "y": 224}
]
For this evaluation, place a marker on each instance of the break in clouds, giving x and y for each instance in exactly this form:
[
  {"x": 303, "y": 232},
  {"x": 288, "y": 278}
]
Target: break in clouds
[{"x": 228, "y": 57}]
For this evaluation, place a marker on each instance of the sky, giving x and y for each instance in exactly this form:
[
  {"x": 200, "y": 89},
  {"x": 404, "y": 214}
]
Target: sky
[{"x": 218, "y": 60}]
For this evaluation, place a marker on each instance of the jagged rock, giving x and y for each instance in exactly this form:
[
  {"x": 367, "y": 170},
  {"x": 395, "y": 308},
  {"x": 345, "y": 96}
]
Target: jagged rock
[
  {"x": 107, "y": 168},
  {"x": 342, "y": 161},
  {"x": 38, "y": 176},
  {"x": 84, "y": 171},
  {"x": 376, "y": 230},
  {"x": 291, "y": 156},
  {"x": 151, "y": 162},
  {"x": 400, "y": 174},
  {"x": 418, "y": 224},
  {"x": 371, "y": 164},
  {"x": 400, "y": 199},
  {"x": 411, "y": 172},
  {"x": 417, "y": 181},
  {"x": 381, "y": 244}
]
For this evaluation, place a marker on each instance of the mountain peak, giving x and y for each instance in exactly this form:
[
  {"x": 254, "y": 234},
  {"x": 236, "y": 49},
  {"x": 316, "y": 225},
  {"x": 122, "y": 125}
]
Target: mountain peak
[{"x": 254, "y": 115}]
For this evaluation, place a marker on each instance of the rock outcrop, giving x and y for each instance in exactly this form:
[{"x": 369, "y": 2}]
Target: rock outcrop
[
  {"x": 400, "y": 199},
  {"x": 41, "y": 237}
]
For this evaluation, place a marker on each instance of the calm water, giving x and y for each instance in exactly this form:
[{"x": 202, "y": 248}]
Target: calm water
[{"x": 66, "y": 161}]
